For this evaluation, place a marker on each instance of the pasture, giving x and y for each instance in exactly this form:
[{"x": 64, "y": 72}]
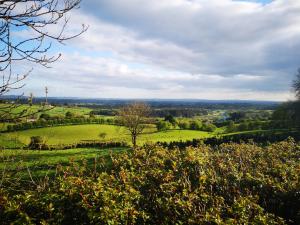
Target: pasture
[
  {"x": 63, "y": 135},
  {"x": 20, "y": 163},
  {"x": 52, "y": 111}
]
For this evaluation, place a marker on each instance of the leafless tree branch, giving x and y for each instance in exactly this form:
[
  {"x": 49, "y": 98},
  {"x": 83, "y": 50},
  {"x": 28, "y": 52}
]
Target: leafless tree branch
[{"x": 35, "y": 18}]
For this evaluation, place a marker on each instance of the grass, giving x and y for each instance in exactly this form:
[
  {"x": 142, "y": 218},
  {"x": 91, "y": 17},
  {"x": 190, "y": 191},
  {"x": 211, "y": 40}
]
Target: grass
[
  {"x": 10, "y": 141},
  {"x": 255, "y": 131},
  {"x": 76, "y": 133},
  {"x": 40, "y": 163},
  {"x": 61, "y": 111},
  {"x": 3, "y": 126},
  {"x": 56, "y": 111},
  {"x": 173, "y": 135}
]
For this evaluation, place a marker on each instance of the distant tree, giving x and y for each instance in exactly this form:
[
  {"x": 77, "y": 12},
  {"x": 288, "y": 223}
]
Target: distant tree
[
  {"x": 237, "y": 116},
  {"x": 92, "y": 114},
  {"x": 296, "y": 84},
  {"x": 37, "y": 142},
  {"x": 163, "y": 125},
  {"x": 70, "y": 115},
  {"x": 102, "y": 135},
  {"x": 243, "y": 126},
  {"x": 209, "y": 127},
  {"x": 195, "y": 125},
  {"x": 135, "y": 118},
  {"x": 170, "y": 119},
  {"x": 45, "y": 116},
  {"x": 184, "y": 125},
  {"x": 231, "y": 126},
  {"x": 288, "y": 114}
]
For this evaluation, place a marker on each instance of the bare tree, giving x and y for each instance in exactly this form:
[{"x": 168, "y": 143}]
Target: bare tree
[
  {"x": 296, "y": 84},
  {"x": 27, "y": 30},
  {"x": 135, "y": 117}
]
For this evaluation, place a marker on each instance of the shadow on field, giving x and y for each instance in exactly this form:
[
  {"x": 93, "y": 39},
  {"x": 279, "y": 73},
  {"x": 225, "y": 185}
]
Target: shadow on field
[{"x": 40, "y": 164}]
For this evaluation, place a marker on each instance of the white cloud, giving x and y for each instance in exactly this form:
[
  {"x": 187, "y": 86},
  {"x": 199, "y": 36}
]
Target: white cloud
[
  {"x": 182, "y": 49},
  {"x": 106, "y": 77}
]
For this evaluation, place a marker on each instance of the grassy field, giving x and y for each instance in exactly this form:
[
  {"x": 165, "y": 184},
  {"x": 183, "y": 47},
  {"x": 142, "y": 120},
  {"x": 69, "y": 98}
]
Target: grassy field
[
  {"x": 41, "y": 163},
  {"x": 55, "y": 111},
  {"x": 77, "y": 133},
  {"x": 10, "y": 141},
  {"x": 3, "y": 126}
]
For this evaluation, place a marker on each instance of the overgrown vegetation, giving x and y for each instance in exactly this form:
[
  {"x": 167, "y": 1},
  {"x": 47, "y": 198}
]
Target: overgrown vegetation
[{"x": 231, "y": 184}]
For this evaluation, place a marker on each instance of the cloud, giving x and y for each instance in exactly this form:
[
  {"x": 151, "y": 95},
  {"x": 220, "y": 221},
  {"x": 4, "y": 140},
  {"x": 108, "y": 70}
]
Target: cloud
[
  {"x": 183, "y": 48},
  {"x": 106, "y": 77},
  {"x": 214, "y": 36}
]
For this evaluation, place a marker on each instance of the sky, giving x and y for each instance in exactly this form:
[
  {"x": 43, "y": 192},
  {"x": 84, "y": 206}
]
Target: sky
[{"x": 176, "y": 49}]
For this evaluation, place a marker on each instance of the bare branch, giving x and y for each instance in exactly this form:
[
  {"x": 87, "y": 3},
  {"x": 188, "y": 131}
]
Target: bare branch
[{"x": 34, "y": 17}]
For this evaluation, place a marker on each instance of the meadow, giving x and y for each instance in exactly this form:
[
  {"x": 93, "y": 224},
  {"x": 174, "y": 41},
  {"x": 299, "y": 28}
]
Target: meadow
[
  {"x": 51, "y": 110},
  {"x": 76, "y": 133},
  {"x": 21, "y": 164}
]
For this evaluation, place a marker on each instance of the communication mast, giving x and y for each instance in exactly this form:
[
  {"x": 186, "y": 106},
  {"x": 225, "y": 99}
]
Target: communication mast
[
  {"x": 30, "y": 99},
  {"x": 46, "y": 91}
]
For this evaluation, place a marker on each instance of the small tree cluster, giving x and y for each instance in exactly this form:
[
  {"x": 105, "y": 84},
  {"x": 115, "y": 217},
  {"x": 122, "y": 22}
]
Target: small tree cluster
[
  {"x": 196, "y": 125},
  {"x": 163, "y": 125}
]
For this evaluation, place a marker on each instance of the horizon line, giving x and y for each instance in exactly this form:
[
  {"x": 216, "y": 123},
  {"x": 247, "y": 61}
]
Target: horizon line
[{"x": 146, "y": 99}]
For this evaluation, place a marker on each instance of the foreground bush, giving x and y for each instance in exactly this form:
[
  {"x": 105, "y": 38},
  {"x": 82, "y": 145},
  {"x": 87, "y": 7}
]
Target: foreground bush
[
  {"x": 233, "y": 184},
  {"x": 260, "y": 137}
]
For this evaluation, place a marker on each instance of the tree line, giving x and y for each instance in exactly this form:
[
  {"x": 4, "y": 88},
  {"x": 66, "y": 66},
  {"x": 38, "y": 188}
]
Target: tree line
[
  {"x": 262, "y": 137},
  {"x": 57, "y": 122}
]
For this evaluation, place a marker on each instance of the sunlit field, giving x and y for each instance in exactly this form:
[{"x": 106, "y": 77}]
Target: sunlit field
[
  {"x": 22, "y": 163},
  {"x": 77, "y": 133}
]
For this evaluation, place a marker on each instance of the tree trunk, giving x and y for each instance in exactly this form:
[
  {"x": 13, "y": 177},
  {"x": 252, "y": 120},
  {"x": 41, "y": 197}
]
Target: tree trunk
[{"x": 133, "y": 140}]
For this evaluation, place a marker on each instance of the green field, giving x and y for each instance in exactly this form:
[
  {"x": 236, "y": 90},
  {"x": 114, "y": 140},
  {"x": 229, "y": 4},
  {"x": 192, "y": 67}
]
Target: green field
[
  {"x": 40, "y": 163},
  {"x": 53, "y": 111},
  {"x": 76, "y": 133}
]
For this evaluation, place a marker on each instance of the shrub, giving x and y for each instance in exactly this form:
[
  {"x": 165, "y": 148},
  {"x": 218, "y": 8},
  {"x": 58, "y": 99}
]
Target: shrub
[
  {"x": 232, "y": 184},
  {"x": 184, "y": 125},
  {"x": 37, "y": 142},
  {"x": 163, "y": 125},
  {"x": 9, "y": 128},
  {"x": 45, "y": 116},
  {"x": 102, "y": 135},
  {"x": 69, "y": 115},
  {"x": 169, "y": 118},
  {"x": 209, "y": 127},
  {"x": 195, "y": 125}
]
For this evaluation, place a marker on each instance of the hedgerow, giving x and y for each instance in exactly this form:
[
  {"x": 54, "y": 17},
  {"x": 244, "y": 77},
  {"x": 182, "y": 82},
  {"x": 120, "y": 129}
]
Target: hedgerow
[
  {"x": 259, "y": 137},
  {"x": 57, "y": 122},
  {"x": 228, "y": 184},
  {"x": 37, "y": 143}
]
